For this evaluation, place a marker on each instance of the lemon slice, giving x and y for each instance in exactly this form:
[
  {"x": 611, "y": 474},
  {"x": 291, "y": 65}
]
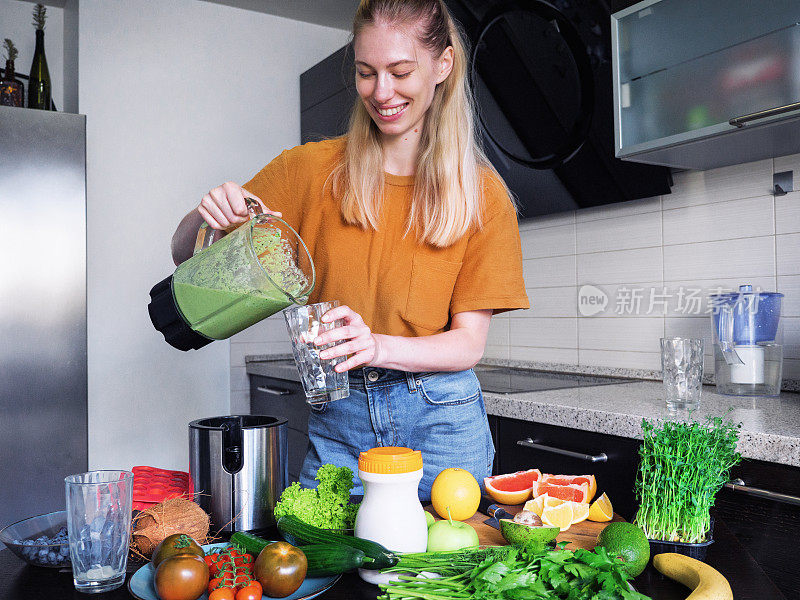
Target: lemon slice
[
  {"x": 580, "y": 511},
  {"x": 536, "y": 505},
  {"x": 558, "y": 516},
  {"x": 601, "y": 509}
]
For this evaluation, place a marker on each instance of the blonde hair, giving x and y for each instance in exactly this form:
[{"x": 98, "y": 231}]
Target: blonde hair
[{"x": 448, "y": 190}]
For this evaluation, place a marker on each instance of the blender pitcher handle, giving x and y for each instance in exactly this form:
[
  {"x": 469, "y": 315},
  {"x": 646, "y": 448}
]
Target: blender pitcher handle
[
  {"x": 726, "y": 334},
  {"x": 207, "y": 236}
]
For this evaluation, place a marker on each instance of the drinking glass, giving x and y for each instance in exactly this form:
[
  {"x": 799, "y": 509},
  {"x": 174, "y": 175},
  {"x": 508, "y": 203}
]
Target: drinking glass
[
  {"x": 320, "y": 380},
  {"x": 682, "y": 365},
  {"x": 99, "y": 506}
]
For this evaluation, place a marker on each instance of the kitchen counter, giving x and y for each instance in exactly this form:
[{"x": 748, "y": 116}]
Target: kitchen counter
[
  {"x": 19, "y": 581},
  {"x": 770, "y": 426}
]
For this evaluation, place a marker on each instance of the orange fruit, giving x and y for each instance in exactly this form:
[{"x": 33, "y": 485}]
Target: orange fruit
[
  {"x": 573, "y": 492},
  {"x": 558, "y": 516},
  {"x": 573, "y": 480},
  {"x": 601, "y": 509},
  {"x": 455, "y": 489},
  {"x": 512, "y": 488}
]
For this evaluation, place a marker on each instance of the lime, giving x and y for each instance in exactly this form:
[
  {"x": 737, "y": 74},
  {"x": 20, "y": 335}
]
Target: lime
[{"x": 629, "y": 542}]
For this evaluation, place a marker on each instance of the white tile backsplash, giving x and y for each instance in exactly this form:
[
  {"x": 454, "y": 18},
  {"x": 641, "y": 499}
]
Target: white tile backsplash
[
  {"x": 621, "y": 334},
  {"x": 622, "y": 233},
  {"x": 565, "y": 356},
  {"x": 747, "y": 180},
  {"x": 621, "y": 266},
  {"x": 789, "y": 286},
  {"x": 788, "y": 251},
  {"x": 549, "y": 272},
  {"x": 550, "y": 302},
  {"x": 549, "y": 241},
  {"x": 544, "y": 332},
  {"x": 746, "y": 257},
  {"x": 620, "y": 209},
  {"x": 650, "y": 361},
  {"x": 787, "y": 209},
  {"x": 749, "y": 217}
]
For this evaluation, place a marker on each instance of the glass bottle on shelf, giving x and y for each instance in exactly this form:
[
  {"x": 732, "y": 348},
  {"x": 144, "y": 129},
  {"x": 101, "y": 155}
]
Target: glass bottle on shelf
[
  {"x": 39, "y": 87},
  {"x": 12, "y": 92}
]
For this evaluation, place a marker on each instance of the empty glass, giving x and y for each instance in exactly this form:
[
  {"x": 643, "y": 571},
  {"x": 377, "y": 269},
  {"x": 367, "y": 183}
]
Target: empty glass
[
  {"x": 320, "y": 380},
  {"x": 682, "y": 365},
  {"x": 99, "y": 506}
]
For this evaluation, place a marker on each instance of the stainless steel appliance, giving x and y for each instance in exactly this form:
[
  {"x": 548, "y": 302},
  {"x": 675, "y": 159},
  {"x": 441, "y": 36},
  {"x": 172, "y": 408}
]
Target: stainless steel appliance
[
  {"x": 43, "y": 378},
  {"x": 239, "y": 469}
]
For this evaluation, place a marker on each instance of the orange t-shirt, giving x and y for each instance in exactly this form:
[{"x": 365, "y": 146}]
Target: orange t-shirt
[{"x": 398, "y": 285}]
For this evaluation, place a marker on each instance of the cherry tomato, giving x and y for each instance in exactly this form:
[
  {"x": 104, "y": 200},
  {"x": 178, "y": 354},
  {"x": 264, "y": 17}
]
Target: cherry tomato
[
  {"x": 280, "y": 569},
  {"x": 181, "y": 577},
  {"x": 250, "y": 592},
  {"x": 222, "y": 594}
]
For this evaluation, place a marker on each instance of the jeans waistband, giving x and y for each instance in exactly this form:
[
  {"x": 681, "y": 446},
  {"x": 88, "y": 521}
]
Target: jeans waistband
[{"x": 369, "y": 377}]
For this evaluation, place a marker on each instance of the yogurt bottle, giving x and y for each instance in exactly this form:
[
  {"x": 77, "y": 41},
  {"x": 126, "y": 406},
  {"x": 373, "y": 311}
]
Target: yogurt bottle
[{"x": 391, "y": 513}]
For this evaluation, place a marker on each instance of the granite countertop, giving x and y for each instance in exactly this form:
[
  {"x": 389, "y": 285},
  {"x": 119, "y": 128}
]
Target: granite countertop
[{"x": 770, "y": 426}]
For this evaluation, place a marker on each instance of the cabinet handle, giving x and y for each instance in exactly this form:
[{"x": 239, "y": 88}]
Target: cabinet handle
[
  {"x": 274, "y": 391},
  {"x": 738, "y": 485},
  {"x": 529, "y": 443},
  {"x": 763, "y": 114}
]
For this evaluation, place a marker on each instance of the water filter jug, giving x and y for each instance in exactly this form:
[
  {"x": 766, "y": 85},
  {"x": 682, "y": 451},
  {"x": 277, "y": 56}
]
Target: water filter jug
[{"x": 748, "y": 342}]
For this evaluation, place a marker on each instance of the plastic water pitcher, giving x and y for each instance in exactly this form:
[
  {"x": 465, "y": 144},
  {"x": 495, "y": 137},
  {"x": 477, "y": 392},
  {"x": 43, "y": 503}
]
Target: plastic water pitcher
[
  {"x": 233, "y": 282},
  {"x": 391, "y": 513},
  {"x": 748, "y": 342}
]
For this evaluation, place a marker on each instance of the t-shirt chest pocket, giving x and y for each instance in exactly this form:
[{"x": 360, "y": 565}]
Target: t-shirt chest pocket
[{"x": 430, "y": 291}]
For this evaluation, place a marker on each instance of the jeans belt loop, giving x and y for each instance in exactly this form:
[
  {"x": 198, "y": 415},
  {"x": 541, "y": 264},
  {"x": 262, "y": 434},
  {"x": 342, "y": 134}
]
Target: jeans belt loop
[{"x": 411, "y": 380}]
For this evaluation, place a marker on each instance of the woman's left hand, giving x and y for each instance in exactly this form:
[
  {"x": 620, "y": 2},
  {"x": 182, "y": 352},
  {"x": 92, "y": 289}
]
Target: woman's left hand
[{"x": 361, "y": 343}]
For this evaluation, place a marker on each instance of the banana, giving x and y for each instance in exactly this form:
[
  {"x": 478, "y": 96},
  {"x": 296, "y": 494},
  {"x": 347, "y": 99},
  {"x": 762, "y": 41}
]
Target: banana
[{"x": 705, "y": 582}]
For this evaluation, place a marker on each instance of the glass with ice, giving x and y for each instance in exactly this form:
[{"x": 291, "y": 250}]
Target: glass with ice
[
  {"x": 99, "y": 506},
  {"x": 320, "y": 380}
]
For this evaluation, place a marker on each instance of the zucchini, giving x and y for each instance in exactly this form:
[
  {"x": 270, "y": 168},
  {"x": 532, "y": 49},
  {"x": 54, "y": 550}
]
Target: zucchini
[
  {"x": 304, "y": 533},
  {"x": 323, "y": 559}
]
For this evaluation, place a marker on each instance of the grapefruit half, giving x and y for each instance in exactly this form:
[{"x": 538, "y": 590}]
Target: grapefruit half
[
  {"x": 574, "y": 492},
  {"x": 512, "y": 488},
  {"x": 572, "y": 480}
]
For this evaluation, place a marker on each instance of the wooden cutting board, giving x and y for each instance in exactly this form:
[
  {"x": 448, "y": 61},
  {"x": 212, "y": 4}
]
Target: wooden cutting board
[{"x": 580, "y": 535}]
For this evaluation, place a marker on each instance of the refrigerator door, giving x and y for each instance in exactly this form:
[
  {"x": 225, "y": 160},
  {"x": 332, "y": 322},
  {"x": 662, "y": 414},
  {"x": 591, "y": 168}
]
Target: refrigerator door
[{"x": 43, "y": 370}]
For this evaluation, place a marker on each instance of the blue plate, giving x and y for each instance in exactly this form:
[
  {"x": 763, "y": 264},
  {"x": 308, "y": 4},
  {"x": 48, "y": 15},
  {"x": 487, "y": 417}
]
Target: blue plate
[{"x": 141, "y": 583}]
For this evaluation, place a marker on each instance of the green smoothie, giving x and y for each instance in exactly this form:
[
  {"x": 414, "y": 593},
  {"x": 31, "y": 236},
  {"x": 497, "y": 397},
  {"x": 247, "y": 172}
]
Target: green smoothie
[
  {"x": 219, "y": 314},
  {"x": 238, "y": 281}
]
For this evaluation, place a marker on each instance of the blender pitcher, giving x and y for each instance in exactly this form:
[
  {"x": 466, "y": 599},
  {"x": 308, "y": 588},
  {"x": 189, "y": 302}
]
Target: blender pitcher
[
  {"x": 748, "y": 342},
  {"x": 258, "y": 269}
]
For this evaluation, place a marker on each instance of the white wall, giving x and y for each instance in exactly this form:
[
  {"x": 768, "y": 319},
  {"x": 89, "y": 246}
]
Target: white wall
[
  {"x": 180, "y": 95},
  {"x": 718, "y": 228},
  {"x": 16, "y": 23}
]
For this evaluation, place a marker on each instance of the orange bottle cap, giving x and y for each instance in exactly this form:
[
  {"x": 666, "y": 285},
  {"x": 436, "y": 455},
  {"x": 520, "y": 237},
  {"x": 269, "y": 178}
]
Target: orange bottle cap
[{"x": 390, "y": 459}]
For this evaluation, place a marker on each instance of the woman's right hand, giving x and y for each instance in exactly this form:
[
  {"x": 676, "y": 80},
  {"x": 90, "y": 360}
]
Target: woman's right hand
[{"x": 224, "y": 206}]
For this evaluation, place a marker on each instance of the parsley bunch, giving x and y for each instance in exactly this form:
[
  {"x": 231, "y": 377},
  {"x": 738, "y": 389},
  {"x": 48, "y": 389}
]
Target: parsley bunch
[
  {"x": 327, "y": 506},
  {"x": 512, "y": 573}
]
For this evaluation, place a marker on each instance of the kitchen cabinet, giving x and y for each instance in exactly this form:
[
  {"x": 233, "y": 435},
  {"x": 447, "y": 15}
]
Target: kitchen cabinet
[
  {"x": 283, "y": 398},
  {"x": 327, "y": 93},
  {"x": 765, "y": 528},
  {"x": 700, "y": 84}
]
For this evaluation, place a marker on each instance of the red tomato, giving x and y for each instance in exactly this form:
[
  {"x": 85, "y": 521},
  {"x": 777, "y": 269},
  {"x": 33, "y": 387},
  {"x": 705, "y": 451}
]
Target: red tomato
[
  {"x": 250, "y": 592},
  {"x": 222, "y": 594}
]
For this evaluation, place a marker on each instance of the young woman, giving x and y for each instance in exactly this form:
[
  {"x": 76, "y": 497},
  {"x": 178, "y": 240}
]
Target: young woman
[{"x": 412, "y": 230}]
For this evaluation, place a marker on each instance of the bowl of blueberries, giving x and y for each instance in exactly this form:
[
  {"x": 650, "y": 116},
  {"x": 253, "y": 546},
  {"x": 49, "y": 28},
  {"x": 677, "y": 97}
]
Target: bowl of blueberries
[{"x": 40, "y": 540}]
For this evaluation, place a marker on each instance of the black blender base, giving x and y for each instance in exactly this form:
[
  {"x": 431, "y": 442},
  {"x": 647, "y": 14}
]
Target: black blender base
[{"x": 168, "y": 320}]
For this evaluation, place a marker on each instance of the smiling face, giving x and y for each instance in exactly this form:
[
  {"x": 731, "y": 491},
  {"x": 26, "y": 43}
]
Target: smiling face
[{"x": 396, "y": 76}]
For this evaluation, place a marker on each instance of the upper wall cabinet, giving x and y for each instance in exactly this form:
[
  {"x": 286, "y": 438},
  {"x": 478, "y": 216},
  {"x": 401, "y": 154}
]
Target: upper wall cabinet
[{"x": 700, "y": 84}]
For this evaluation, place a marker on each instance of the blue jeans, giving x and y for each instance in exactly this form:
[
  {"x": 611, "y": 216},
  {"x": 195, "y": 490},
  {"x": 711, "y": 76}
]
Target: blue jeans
[{"x": 441, "y": 414}]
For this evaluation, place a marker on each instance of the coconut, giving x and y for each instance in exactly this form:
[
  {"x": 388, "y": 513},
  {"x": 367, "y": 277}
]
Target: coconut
[{"x": 176, "y": 515}]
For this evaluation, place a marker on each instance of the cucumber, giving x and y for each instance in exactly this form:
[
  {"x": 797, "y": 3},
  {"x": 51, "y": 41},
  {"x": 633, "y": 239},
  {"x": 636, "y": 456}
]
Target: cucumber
[
  {"x": 323, "y": 559},
  {"x": 252, "y": 544},
  {"x": 330, "y": 559},
  {"x": 308, "y": 534}
]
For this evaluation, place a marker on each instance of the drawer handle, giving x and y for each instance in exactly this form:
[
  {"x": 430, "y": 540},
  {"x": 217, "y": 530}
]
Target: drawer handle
[
  {"x": 738, "y": 485},
  {"x": 529, "y": 443},
  {"x": 274, "y": 391},
  {"x": 763, "y": 114}
]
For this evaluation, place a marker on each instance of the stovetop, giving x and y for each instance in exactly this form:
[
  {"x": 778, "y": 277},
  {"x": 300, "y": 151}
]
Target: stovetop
[{"x": 508, "y": 380}]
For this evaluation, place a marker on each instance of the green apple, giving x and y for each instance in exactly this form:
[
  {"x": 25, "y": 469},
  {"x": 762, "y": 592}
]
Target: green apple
[
  {"x": 451, "y": 535},
  {"x": 429, "y": 518}
]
